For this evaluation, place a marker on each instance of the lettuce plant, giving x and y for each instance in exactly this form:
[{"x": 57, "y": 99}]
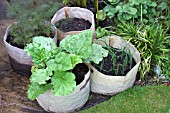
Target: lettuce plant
[{"x": 53, "y": 65}]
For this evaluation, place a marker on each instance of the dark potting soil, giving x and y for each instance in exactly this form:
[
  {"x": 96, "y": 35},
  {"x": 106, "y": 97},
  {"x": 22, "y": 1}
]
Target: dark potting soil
[
  {"x": 107, "y": 22},
  {"x": 80, "y": 71},
  {"x": 106, "y": 66},
  {"x": 73, "y": 24},
  {"x": 10, "y": 40}
]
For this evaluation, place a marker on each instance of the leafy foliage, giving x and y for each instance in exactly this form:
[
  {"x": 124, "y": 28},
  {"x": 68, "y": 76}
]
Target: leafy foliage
[
  {"x": 101, "y": 15},
  {"x": 80, "y": 44},
  {"x": 35, "y": 89},
  {"x": 63, "y": 82},
  {"x": 40, "y": 76},
  {"x": 30, "y": 15},
  {"x": 139, "y": 9},
  {"x": 52, "y": 63},
  {"x": 41, "y": 49},
  {"x": 64, "y": 61},
  {"x": 97, "y": 54},
  {"x": 119, "y": 61},
  {"x": 101, "y": 32},
  {"x": 153, "y": 44}
]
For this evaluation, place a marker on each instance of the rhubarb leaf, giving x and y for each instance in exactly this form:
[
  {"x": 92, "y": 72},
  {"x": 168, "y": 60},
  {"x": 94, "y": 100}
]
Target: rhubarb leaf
[
  {"x": 41, "y": 50},
  {"x": 40, "y": 76},
  {"x": 35, "y": 89},
  {"x": 63, "y": 83},
  {"x": 79, "y": 44},
  {"x": 64, "y": 62},
  {"x": 97, "y": 54}
]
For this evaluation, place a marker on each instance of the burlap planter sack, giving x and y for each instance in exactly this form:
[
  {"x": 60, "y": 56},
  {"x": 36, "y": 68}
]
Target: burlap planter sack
[
  {"x": 68, "y": 103},
  {"x": 73, "y": 12},
  {"x": 110, "y": 85},
  {"x": 19, "y": 60}
]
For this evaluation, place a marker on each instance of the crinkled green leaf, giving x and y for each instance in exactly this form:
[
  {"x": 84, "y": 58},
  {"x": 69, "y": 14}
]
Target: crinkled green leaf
[
  {"x": 129, "y": 10},
  {"x": 118, "y": 8},
  {"x": 107, "y": 8},
  {"x": 40, "y": 51},
  {"x": 97, "y": 54},
  {"x": 64, "y": 62},
  {"x": 40, "y": 76},
  {"x": 127, "y": 16},
  {"x": 63, "y": 83},
  {"x": 162, "y": 5},
  {"x": 100, "y": 32},
  {"x": 113, "y": 1},
  {"x": 151, "y": 4},
  {"x": 35, "y": 89},
  {"x": 47, "y": 43},
  {"x": 101, "y": 15},
  {"x": 79, "y": 44},
  {"x": 110, "y": 10}
]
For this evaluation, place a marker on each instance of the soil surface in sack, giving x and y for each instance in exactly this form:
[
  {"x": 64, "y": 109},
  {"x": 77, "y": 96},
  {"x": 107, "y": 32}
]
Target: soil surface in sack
[
  {"x": 73, "y": 24},
  {"x": 80, "y": 71},
  {"x": 110, "y": 64}
]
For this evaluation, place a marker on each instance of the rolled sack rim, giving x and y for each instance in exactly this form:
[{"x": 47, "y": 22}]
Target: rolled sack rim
[
  {"x": 61, "y": 12},
  {"x": 8, "y": 46}
]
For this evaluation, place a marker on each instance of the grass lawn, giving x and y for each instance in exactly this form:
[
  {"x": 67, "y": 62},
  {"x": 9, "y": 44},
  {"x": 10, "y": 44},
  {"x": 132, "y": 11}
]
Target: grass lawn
[{"x": 148, "y": 99}]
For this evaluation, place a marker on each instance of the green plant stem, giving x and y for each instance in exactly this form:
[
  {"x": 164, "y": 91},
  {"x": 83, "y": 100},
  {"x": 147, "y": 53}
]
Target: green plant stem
[
  {"x": 105, "y": 2},
  {"x": 96, "y": 4},
  {"x": 141, "y": 15},
  {"x": 84, "y": 3},
  {"x": 78, "y": 2}
]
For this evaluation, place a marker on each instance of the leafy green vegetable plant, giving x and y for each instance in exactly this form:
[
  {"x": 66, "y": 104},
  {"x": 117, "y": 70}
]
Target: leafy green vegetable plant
[
  {"x": 53, "y": 65},
  {"x": 141, "y": 10}
]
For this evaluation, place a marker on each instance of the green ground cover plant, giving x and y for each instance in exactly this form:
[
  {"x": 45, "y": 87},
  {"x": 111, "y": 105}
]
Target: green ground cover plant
[
  {"x": 148, "y": 99},
  {"x": 141, "y": 10}
]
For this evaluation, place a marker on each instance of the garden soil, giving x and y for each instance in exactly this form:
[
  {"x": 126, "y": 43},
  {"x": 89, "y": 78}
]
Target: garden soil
[
  {"x": 73, "y": 24},
  {"x": 13, "y": 86}
]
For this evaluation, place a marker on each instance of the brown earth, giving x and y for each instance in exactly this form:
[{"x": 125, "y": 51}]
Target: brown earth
[{"x": 13, "y": 86}]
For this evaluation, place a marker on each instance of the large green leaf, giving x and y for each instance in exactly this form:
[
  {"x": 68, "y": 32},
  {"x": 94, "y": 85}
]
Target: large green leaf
[
  {"x": 79, "y": 44},
  {"x": 41, "y": 75},
  {"x": 114, "y": 1},
  {"x": 39, "y": 55},
  {"x": 41, "y": 50},
  {"x": 35, "y": 89},
  {"x": 44, "y": 42},
  {"x": 162, "y": 5},
  {"x": 101, "y": 15},
  {"x": 63, "y": 83},
  {"x": 97, "y": 54},
  {"x": 64, "y": 62}
]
